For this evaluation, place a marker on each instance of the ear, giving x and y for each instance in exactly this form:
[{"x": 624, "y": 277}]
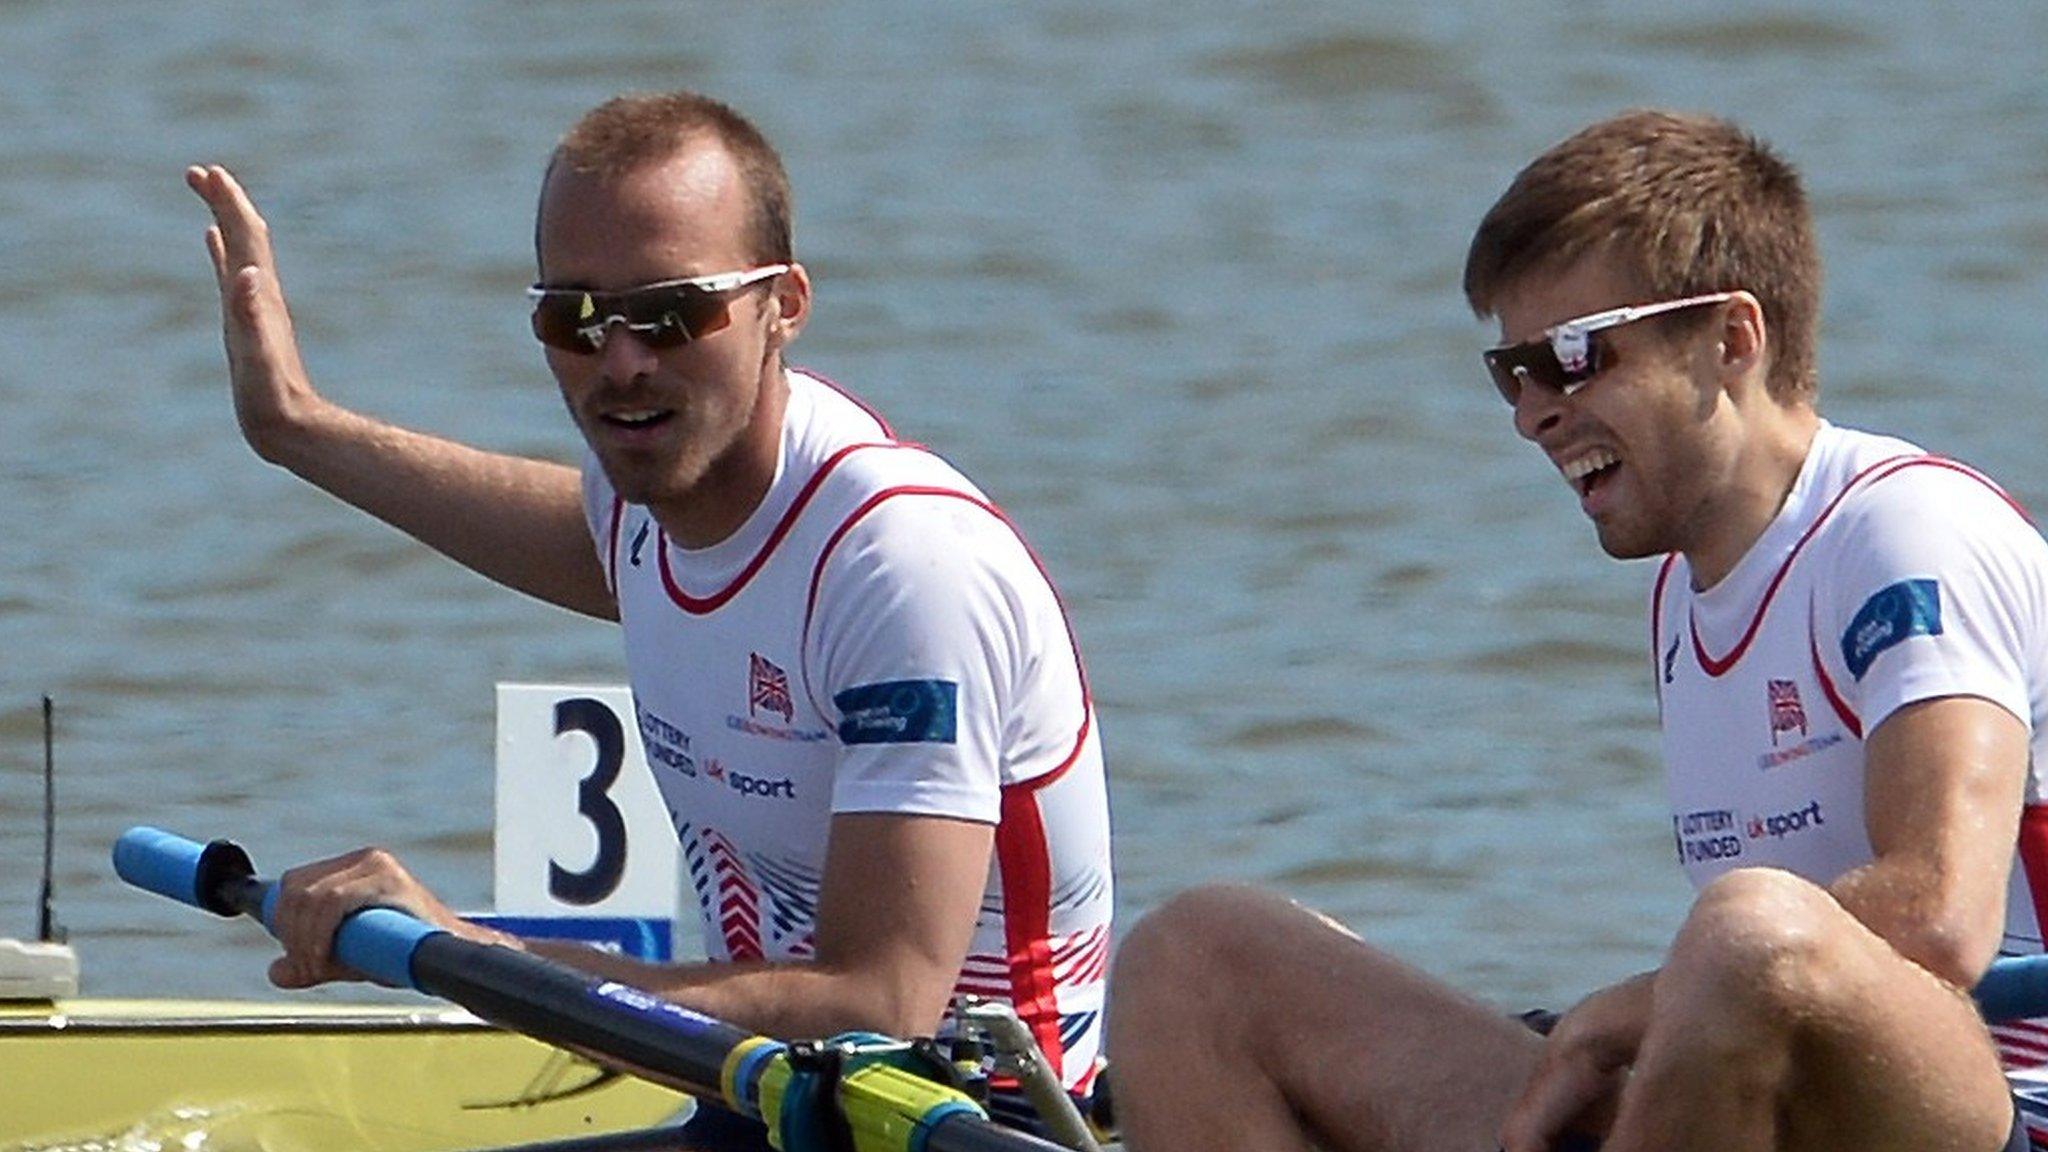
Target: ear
[
  {"x": 790, "y": 304},
  {"x": 1744, "y": 340}
]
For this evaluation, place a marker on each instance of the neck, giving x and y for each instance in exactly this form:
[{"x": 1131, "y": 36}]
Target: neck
[
  {"x": 735, "y": 483},
  {"x": 1761, "y": 474}
]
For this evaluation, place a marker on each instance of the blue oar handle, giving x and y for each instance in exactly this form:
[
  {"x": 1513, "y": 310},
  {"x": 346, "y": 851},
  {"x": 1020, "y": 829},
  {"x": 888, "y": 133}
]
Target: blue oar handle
[
  {"x": 627, "y": 1027},
  {"x": 378, "y": 942},
  {"x": 2015, "y": 987}
]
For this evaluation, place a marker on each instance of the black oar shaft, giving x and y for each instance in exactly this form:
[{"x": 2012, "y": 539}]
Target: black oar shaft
[
  {"x": 529, "y": 994},
  {"x": 562, "y": 1006},
  {"x": 619, "y": 1024}
]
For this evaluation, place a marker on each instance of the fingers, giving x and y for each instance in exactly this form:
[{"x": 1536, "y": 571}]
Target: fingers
[
  {"x": 271, "y": 392},
  {"x": 1565, "y": 1094},
  {"x": 243, "y": 294},
  {"x": 312, "y": 901},
  {"x": 1530, "y": 1125},
  {"x": 216, "y": 252},
  {"x": 244, "y": 236},
  {"x": 237, "y": 243}
]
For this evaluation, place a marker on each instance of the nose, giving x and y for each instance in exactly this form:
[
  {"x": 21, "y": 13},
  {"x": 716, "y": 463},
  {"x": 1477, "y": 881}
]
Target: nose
[
  {"x": 624, "y": 356},
  {"x": 1537, "y": 410}
]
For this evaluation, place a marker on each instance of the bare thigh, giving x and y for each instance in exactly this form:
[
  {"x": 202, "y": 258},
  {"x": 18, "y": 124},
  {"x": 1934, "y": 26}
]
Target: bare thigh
[{"x": 1364, "y": 1051}]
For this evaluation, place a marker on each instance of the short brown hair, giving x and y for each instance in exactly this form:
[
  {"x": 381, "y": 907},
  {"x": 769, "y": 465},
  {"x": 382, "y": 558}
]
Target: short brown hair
[
  {"x": 628, "y": 132},
  {"x": 1686, "y": 204}
]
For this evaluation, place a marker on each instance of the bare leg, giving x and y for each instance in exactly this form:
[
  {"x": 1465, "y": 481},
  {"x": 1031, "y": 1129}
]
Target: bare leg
[
  {"x": 1241, "y": 1020},
  {"x": 1782, "y": 1022}
]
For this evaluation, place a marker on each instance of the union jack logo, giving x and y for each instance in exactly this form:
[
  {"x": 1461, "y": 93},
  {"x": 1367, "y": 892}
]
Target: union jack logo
[
  {"x": 1787, "y": 713},
  {"x": 768, "y": 688}
]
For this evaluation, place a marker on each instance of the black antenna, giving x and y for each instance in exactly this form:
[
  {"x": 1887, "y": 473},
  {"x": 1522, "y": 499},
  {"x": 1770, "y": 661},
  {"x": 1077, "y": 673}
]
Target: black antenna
[{"x": 47, "y": 930}]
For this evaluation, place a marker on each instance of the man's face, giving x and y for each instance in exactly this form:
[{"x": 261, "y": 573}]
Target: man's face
[
  {"x": 691, "y": 429},
  {"x": 1644, "y": 444}
]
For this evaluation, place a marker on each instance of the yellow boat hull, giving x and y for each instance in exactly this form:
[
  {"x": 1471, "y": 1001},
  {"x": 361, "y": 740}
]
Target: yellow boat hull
[{"x": 90, "y": 1075}]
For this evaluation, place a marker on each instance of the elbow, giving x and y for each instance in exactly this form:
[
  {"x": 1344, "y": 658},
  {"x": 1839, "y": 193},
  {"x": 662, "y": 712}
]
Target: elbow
[
  {"x": 883, "y": 1003},
  {"x": 895, "y": 1008},
  {"x": 1956, "y": 952},
  {"x": 883, "y": 1020},
  {"x": 907, "y": 1016}
]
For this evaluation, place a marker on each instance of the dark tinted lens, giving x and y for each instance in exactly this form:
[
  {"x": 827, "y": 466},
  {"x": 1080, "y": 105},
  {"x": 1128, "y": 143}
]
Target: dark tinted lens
[
  {"x": 1535, "y": 362},
  {"x": 660, "y": 317},
  {"x": 679, "y": 315},
  {"x": 556, "y": 320},
  {"x": 1516, "y": 364}
]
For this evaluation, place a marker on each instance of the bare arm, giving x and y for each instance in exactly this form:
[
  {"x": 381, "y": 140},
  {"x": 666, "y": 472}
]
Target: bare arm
[
  {"x": 518, "y": 521},
  {"x": 896, "y": 914},
  {"x": 1943, "y": 781}
]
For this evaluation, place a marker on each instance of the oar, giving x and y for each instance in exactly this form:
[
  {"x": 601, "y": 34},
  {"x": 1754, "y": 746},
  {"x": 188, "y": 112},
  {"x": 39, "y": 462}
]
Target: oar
[
  {"x": 885, "y": 1108},
  {"x": 2014, "y": 988}
]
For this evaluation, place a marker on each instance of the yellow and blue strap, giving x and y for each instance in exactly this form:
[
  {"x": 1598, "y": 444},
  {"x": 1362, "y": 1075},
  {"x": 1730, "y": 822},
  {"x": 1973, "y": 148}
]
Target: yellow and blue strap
[{"x": 857, "y": 1092}]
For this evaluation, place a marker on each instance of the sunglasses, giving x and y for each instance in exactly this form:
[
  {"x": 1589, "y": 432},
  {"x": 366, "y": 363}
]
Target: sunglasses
[
  {"x": 1565, "y": 358},
  {"x": 663, "y": 315}
]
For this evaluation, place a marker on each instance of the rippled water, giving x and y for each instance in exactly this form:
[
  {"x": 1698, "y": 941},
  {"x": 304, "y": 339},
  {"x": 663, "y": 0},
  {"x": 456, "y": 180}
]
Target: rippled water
[{"x": 1176, "y": 282}]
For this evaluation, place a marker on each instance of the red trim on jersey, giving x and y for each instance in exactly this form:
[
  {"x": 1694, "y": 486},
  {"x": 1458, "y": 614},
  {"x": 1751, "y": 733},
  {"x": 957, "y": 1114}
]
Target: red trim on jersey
[
  {"x": 850, "y": 398},
  {"x": 1717, "y": 667},
  {"x": 1979, "y": 477},
  {"x": 1657, "y": 626},
  {"x": 2033, "y": 848},
  {"x": 1073, "y": 644},
  {"x": 1086, "y": 956},
  {"x": 1020, "y": 830},
  {"x": 611, "y": 547},
  {"x": 1827, "y": 688},
  {"x": 1025, "y": 860},
  {"x": 1890, "y": 466},
  {"x": 701, "y": 605},
  {"x": 738, "y": 905}
]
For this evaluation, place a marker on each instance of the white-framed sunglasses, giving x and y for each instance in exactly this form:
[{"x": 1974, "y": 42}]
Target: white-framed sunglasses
[
  {"x": 663, "y": 314},
  {"x": 1566, "y": 357}
]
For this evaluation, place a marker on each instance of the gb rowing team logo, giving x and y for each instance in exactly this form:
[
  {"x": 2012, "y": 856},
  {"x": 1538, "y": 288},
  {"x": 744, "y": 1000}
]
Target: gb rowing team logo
[
  {"x": 768, "y": 688},
  {"x": 770, "y": 700},
  {"x": 1787, "y": 713}
]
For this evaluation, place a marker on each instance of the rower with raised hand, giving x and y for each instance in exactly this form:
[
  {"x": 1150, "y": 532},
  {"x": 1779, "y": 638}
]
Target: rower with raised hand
[
  {"x": 858, "y": 690},
  {"x": 1850, "y": 652}
]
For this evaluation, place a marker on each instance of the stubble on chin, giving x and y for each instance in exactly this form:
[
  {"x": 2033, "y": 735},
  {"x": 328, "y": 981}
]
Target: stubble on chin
[
  {"x": 1621, "y": 543},
  {"x": 648, "y": 484}
]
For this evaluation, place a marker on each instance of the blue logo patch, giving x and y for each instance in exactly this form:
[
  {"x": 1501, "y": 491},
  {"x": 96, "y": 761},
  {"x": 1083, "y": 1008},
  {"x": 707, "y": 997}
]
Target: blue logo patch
[
  {"x": 1908, "y": 608},
  {"x": 898, "y": 712}
]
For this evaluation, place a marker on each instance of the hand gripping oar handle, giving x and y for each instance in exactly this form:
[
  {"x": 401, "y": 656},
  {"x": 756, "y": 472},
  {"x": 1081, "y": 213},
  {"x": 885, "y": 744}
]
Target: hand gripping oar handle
[
  {"x": 888, "y": 1110},
  {"x": 218, "y": 877}
]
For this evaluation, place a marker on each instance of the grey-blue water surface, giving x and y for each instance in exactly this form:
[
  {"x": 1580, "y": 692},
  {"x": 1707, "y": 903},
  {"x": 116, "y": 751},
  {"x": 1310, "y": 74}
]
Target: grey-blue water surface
[{"x": 1176, "y": 282}]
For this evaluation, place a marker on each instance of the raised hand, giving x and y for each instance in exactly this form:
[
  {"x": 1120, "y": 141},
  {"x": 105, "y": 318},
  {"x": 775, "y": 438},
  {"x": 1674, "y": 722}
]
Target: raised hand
[{"x": 271, "y": 390}]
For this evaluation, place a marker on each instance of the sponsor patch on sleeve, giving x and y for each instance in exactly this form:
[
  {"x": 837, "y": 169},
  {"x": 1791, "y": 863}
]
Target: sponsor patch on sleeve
[
  {"x": 1908, "y": 608},
  {"x": 899, "y": 712}
]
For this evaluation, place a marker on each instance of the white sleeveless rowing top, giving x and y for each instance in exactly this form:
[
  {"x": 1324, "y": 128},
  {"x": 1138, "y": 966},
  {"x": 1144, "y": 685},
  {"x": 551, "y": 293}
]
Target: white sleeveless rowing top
[
  {"x": 876, "y": 638},
  {"x": 1889, "y": 576}
]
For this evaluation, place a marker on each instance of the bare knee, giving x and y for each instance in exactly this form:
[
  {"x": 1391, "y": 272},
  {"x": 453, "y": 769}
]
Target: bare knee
[
  {"x": 1212, "y": 933},
  {"x": 1228, "y": 957},
  {"x": 1760, "y": 947}
]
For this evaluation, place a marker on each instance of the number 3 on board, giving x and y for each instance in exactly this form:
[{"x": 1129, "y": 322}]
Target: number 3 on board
[{"x": 581, "y": 829}]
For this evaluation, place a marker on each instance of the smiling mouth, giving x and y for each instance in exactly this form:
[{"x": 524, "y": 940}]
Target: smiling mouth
[
  {"x": 637, "y": 419},
  {"x": 1590, "y": 470}
]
